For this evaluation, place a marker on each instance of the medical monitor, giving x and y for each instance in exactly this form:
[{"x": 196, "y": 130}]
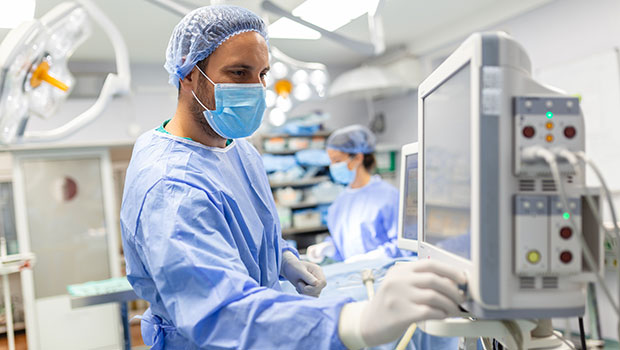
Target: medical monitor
[
  {"x": 447, "y": 187},
  {"x": 482, "y": 206},
  {"x": 408, "y": 213}
]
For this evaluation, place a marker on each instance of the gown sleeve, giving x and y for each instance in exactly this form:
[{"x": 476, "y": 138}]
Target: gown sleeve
[
  {"x": 186, "y": 244},
  {"x": 387, "y": 222}
]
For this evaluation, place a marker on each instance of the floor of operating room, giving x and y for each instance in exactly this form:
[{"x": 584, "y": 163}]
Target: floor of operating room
[{"x": 20, "y": 340}]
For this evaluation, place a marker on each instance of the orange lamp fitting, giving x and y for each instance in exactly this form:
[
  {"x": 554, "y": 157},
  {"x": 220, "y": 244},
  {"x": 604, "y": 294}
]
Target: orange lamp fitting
[
  {"x": 283, "y": 87},
  {"x": 41, "y": 74}
]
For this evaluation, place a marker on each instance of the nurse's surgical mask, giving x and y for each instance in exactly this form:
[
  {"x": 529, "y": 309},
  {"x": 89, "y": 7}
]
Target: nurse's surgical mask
[
  {"x": 340, "y": 173},
  {"x": 239, "y": 108}
]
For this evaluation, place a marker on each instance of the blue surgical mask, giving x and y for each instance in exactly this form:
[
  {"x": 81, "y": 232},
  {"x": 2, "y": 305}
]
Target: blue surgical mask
[
  {"x": 239, "y": 109},
  {"x": 340, "y": 173}
]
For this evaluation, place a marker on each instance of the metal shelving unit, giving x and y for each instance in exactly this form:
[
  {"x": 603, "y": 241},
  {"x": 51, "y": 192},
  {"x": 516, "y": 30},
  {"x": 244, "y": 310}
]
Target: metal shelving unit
[
  {"x": 304, "y": 205},
  {"x": 300, "y": 183},
  {"x": 302, "y": 235},
  {"x": 287, "y": 152},
  {"x": 297, "y": 231},
  {"x": 321, "y": 133}
]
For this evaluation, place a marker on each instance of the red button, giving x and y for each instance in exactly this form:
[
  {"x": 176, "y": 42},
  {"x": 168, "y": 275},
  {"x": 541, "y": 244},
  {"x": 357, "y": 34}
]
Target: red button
[
  {"x": 529, "y": 132},
  {"x": 570, "y": 132},
  {"x": 566, "y": 257},
  {"x": 566, "y": 232}
]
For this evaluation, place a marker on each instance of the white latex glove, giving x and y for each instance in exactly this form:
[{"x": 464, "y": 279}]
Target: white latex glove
[
  {"x": 410, "y": 292},
  {"x": 307, "y": 277},
  {"x": 317, "y": 252}
]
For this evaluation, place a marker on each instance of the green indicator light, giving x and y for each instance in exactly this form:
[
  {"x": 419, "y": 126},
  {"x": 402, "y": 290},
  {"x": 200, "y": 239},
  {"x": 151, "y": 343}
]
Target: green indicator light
[
  {"x": 549, "y": 115},
  {"x": 566, "y": 216}
]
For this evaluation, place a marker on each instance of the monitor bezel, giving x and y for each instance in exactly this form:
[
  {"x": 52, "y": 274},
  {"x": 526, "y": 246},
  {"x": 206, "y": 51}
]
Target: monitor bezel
[
  {"x": 469, "y": 53},
  {"x": 407, "y": 243}
]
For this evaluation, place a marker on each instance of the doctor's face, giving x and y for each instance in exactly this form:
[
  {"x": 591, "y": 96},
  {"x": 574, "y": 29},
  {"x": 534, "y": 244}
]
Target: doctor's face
[{"x": 242, "y": 59}]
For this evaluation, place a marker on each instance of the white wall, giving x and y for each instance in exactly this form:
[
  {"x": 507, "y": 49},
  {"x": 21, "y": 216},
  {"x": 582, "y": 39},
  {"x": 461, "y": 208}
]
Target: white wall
[
  {"x": 401, "y": 121},
  {"x": 566, "y": 30}
]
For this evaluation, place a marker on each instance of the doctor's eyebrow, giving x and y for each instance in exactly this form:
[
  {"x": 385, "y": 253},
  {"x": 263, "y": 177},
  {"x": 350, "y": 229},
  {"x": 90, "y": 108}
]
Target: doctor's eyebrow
[{"x": 244, "y": 66}]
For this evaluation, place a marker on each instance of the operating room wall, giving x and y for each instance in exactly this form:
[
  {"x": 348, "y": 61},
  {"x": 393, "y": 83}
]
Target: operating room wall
[{"x": 400, "y": 113}]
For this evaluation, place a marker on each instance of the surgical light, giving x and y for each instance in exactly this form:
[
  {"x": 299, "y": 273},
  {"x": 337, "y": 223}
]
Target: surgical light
[
  {"x": 270, "y": 98},
  {"x": 302, "y": 92},
  {"x": 279, "y": 70},
  {"x": 289, "y": 83},
  {"x": 283, "y": 87},
  {"x": 34, "y": 76},
  {"x": 277, "y": 117},
  {"x": 318, "y": 77},
  {"x": 284, "y": 103},
  {"x": 269, "y": 79},
  {"x": 300, "y": 77}
]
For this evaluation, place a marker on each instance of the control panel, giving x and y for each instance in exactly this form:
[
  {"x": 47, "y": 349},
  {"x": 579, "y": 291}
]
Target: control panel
[
  {"x": 546, "y": 243},
  {"x": 553, "y": 122},
  {"x": 532, "y": 254}
]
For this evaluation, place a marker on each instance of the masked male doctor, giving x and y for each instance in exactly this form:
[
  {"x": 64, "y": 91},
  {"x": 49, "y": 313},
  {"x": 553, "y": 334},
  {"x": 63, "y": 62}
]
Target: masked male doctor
[{"x": 201, "y": 235}]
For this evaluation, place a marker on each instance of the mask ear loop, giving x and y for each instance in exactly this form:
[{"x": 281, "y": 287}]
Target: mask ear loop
[
  {"x": 211, "y": 81},
  {"x": 203, "y": 73},
  {"x": 203, "y": 106}
]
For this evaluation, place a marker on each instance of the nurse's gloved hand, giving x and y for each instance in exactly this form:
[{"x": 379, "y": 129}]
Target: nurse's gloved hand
[
  {"x": 410, "y": 292},
  {"x": 318, "y": 252},
  {"x": 308, "y": 278}
]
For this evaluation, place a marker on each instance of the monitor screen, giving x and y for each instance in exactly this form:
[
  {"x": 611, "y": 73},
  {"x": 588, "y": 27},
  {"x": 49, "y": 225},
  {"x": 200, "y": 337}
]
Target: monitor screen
[
  {"x": 447, "y": 169},
  {"x": 410, "y": 203}
]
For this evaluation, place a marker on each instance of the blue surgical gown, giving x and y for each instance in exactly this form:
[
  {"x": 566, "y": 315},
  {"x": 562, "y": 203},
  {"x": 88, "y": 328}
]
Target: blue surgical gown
[
  {"x": 203, "y": 246},
  {"x": 365, "y": 219}
]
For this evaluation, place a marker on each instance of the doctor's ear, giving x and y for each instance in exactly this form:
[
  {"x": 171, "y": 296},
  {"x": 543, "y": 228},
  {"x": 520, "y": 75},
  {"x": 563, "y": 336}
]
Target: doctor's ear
[{"x": 187, "y": 84}]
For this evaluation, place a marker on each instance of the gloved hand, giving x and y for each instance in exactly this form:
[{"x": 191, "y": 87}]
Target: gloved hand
[
  {"x": 307, "y": 277},
  {"x": 317, "y": 252},
  {"x": 410, "y": 292}
]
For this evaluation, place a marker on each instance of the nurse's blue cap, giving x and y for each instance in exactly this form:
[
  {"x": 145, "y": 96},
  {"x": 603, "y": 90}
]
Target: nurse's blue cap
[{"x": 352, "y": 139}]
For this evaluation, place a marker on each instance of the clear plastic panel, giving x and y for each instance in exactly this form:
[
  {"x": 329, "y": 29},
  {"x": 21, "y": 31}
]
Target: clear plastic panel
[
  {"x": 7, "y": 217},
  {"x": 64, "y": 201},
  {"x": 410, "y": 220},
  {"x": 447, "y": 165}
]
